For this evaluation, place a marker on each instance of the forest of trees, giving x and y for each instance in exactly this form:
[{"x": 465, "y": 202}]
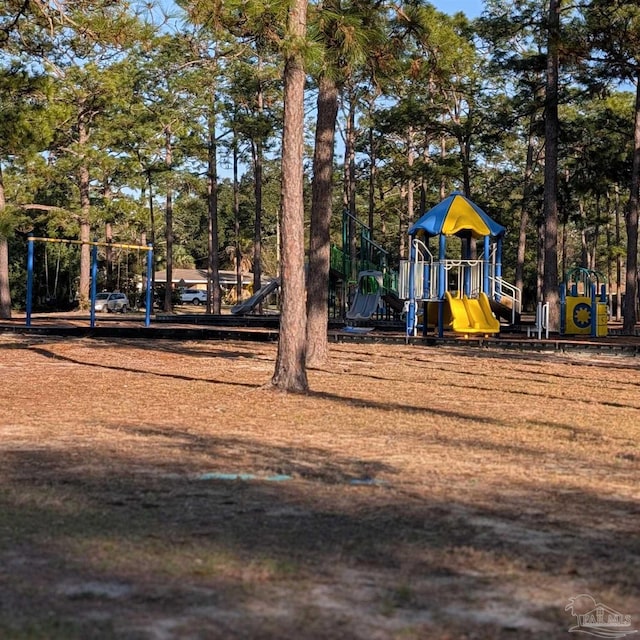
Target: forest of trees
[{"x": 175, "y": 123}]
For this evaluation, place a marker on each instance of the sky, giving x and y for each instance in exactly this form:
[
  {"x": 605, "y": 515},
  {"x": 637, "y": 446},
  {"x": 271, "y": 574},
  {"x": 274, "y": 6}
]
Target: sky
[{"x": 473, "y": 8}]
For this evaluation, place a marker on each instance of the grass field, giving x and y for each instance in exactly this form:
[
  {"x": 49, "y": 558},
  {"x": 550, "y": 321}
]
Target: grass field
[{"x": 158, "y": 490}]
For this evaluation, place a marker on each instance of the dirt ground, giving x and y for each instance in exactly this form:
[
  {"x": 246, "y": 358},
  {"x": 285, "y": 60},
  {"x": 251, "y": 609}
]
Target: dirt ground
[{"x": 157, "y": 490}]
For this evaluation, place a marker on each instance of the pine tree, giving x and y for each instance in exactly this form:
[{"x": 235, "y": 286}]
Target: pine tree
[{"x": 290, "y": 370}]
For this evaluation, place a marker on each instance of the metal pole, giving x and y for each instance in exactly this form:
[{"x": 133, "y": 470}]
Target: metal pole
[
  {"x": 29, "y": 278},
  {"x": 499, "y": 269},
  {"x": 466, "y": 266},
  {"x": 149, "y": 302},
  {"x": 94, "y": 284},
  {"x": 411, "y": 311},
  {"x": 443, "y": 285},
  {"x": 594, "y": 312},
  {"x": 562, "y": 290},
  {"x": 487, "y": 266}
]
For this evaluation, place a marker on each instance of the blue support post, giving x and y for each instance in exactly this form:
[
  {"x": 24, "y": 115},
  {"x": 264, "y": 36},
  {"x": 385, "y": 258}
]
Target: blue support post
[
  {"x": 562, "y": 290},
  {"x": 498, "y": 269},
  {"x": 426, "y": 280},
  {"x": 487, "y": 265},
  {"x": 29, "y": 278},
  {"x": 94, "y": 284},
  {"x": 411, "y": 311},
  {"x": 442, "y": 282},
  {"x": 594, "y": 312},
  {"x": 442, "y": 274},
  {"x": 147, "y": 313},
  {"x": 467, "y": 269}
]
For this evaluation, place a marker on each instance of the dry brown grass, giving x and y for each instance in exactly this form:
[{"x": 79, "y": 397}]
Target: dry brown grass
[{"x": 434, "y": 493}]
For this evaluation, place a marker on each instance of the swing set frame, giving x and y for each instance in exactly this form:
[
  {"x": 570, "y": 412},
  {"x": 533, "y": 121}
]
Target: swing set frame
[{"x": 31, "y": 240}]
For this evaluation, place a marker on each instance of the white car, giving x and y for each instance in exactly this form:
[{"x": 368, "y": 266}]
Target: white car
[
  {"x": 194, "y": 296},
  {"x": 111, "y": 301}
]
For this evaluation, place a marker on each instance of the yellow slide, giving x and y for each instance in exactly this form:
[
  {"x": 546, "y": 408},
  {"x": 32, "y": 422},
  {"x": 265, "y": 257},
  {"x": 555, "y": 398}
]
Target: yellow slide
[{"x": 472, "y": 315}]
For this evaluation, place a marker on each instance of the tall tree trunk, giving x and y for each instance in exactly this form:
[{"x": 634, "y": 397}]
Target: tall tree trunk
[
  {"x": 465, "y": 152},
  {"x": 213, "y": 263},
  {"x": 372, "y": 180},
  {"x": 373, "y": 168},
  {"x": 350, "y": 183},
  {"x": 551, "y": 294},
  {"x": 236, "y": 219},
  {"x": 5, "y": 293},
  {"x": 403, "y": 224},
  {"x": 85, "y": 210},
  {"x": 524, "y": 210},
  {"x": 257, "y": 148},
  {"x": 257, "y": 226},
  {"x": 443, "y": 156},
  {"x": 618, "y": 259},
  {"x": 321, "y": 209},
  {"x": 152, "y": 233},
  {"x": 168, "y": 212},
  {"x": 631, "y": 282},
  {"x": 290, "y": 371},
  {"x": 540, "y": 262},
  {"x": 108, "y": 234},
  {"x": 410, "y": 181}
]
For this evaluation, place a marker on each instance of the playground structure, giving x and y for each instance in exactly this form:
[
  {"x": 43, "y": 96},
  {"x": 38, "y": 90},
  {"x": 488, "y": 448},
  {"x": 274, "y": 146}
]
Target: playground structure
[
  {"x": 361, "y": 283},
  {"x": 464, "y": 294},
  {"x": 583, "y": 303},
  {"x": 94, "y": 272}
]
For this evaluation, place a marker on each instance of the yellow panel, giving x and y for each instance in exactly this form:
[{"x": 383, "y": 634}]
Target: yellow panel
[
  {"x": 462, "y": 216},
  {"x": 578, "y": 316},
  {"x": 603, "y": 319}
]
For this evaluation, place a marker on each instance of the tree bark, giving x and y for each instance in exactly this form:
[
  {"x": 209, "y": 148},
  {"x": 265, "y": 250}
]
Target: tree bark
[
  {"x": 290, "y": 370},
  {"x": 168, "y": 212},
  {"x": 551, "y": 294},
  {"x": 631, "y": 281},
  {"x": 524, "y": 211},
  {"x": 410, "y": 181},
  {"x": 257, "y": 192},
  {"x": 350, "y": 184},
  {"x": 618, "y": 259},
  {"x": 152, "y": 231},
  {"x": 213, "y": 265},
  {"x": 321, "y": 210},
  {"x": 236, "y": 219},
  {"x": 85, "y": 225},
  {"x": 5, "y": 293},
  {"x": 372, "y": 181},
  {"x": 108, "y": 235}
]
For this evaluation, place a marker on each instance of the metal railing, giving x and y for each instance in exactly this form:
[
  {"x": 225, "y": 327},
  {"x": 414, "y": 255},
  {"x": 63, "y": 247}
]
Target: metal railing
[
  {"x": 502, "y": 289},
  {"x": 542, "y": 321},
  {"x": 470, "y": 276}
]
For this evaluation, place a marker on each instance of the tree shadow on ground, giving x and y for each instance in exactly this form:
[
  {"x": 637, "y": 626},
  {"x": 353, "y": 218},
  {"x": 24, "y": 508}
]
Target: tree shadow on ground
[{"x": 88, "y": 537}]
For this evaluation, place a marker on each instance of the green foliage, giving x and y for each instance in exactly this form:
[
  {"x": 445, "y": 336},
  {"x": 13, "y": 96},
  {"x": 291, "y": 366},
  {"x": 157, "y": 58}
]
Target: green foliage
[{"x": 442, "y": 103}]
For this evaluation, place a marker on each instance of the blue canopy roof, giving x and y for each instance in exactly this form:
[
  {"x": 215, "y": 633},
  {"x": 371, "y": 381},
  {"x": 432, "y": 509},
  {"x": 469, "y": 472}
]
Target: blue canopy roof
[{"x": 457, "y": 215}]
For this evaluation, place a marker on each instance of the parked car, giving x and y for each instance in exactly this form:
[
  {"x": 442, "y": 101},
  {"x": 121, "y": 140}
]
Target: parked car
[
  {"x": 193, "y": 296},
  {"x": 111, "y": 301}
]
